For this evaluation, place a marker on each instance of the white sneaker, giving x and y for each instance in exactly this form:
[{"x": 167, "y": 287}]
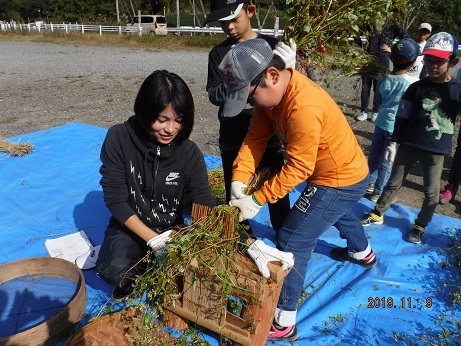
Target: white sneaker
[
  {"x": 363, "y": 116},
  {"x": 88, "y": 259},
  {"x": 373, "y": 117}
]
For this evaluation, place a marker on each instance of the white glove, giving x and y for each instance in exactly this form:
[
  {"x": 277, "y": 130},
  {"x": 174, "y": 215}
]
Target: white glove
[
  {"x": 237, "y": 190},
  {"x": 248, "y": 207},
  {"x": 262, "y": 254},
  {"x": 391, "y": 151},
  {"x": 159, "y": 242},
  {"x": 288, "y": 54}
]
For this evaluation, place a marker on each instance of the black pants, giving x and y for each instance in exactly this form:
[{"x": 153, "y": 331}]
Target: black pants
[
  {"x": 119, "y": 256},
  {"x": 273, "y": 158}
]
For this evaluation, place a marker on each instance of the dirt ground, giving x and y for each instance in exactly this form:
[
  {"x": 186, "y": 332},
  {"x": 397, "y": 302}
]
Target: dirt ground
[{"x": 39, "y": 91}]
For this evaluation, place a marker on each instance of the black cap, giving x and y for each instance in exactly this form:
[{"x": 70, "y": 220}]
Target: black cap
[{"x": 224, "y": 9}]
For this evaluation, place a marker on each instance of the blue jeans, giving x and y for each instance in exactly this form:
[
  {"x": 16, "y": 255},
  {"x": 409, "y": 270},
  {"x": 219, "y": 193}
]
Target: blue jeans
[
  {"x": 317, "y": 209},
  {"x": 380, "y": 169}
]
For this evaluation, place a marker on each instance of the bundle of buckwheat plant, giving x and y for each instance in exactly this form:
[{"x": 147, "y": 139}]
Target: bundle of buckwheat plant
[{"x": 15, "y": 149}]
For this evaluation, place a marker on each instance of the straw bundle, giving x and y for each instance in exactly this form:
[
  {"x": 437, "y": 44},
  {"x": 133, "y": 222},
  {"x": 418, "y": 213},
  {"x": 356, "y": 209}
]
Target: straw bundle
[{"x": 15, "y": 149}]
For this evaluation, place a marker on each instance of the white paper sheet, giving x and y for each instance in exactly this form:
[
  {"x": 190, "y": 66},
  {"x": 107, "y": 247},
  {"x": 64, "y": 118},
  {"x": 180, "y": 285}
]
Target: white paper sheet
[{"x": 69, "y": 247}]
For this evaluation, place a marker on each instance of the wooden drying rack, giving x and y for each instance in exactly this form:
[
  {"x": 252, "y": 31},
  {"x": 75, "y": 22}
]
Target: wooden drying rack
[{"x": 201, "y": 301}]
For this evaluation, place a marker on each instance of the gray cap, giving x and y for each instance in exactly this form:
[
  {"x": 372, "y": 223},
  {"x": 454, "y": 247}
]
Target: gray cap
[{"x": 241, "y": 65}]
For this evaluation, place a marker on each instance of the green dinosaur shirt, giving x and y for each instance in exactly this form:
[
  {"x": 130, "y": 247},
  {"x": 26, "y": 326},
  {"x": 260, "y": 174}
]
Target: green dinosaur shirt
[{"x": 426, "y": 115}]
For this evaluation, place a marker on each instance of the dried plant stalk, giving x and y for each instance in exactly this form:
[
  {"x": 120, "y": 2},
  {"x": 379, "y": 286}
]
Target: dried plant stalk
[
  {"x": 259, "y": 178},
  {"x": 15, "y": 149},
  {"x": 199, "y": 211},
  {"x": 216, "y": 181}
]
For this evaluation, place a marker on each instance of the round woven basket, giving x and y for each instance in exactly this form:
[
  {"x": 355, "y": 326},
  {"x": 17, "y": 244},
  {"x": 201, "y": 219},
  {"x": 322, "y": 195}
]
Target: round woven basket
[
  {"x": 55, "y": 327},
  {"x": 116, "y": 329}
]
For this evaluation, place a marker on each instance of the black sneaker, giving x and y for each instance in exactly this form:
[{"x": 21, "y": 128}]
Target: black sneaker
[
  {"x": 342, "y": 254},
  {"x": 120, "y": 293},
  {"x": 371, "y": 219},
  {"x": 415, "y": 236},
  {"x": 279, "y": 333}
]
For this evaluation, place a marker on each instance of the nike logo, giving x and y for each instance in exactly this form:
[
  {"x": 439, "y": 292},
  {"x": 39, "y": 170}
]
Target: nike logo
[{"x": 172, "y": 176}]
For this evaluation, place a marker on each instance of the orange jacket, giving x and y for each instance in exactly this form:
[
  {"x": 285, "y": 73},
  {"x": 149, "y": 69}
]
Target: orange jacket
[{"x": 319, "y": 143}]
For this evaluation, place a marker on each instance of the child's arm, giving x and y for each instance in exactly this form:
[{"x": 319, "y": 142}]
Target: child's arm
[
  {"x": 401, "y": 119},
  {"x": 215, "y": 86}
]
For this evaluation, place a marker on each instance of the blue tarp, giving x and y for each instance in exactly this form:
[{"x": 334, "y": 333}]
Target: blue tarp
[{"x": 405, "y": 299}]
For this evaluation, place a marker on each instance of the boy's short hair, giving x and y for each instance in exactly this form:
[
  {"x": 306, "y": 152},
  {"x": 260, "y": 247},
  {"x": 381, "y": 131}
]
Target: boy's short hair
[
  {"x": 239, "y": 67},
  {"x": 404, "y": 51},
  {"x": 224, "y": 10},
  {"x": 441, "y": 45}
]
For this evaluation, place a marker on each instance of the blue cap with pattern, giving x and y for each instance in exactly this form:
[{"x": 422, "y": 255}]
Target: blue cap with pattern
[{"x": 441, "y": 45}]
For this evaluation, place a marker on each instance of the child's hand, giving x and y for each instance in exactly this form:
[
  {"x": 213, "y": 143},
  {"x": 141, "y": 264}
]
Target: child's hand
[
  {"x": 287, "y": 53},
  {"x": 262, "y": 254},
  {"x": 390, "y": 152}
]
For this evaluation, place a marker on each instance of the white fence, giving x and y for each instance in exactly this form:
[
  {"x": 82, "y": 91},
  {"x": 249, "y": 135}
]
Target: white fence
[{"x": 42, "y": 27}]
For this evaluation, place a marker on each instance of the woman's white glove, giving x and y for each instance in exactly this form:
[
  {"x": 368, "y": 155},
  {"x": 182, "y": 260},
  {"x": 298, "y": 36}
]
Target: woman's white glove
[
  {"x": 237, "y": 190},
  {"x": 248, "y": 207},
  {"x": 262, "y": 254},
  {"x": 287, "y": 53},
  {"x": 391, "y": 151},
  {"x": 159, "y": 242}
]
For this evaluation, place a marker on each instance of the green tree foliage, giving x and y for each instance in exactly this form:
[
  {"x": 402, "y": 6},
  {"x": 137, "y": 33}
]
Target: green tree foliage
[
  {"x": 315, "y": 21},
  {"x": 326, "y": 26},
  {"x": 443, "y": 16}
]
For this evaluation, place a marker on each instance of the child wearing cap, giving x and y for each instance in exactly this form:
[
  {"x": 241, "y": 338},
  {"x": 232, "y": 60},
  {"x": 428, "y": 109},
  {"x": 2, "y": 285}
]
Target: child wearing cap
[
  {"x": 389, "y": 92},
  {"x": 234, "y": 17},
  {"x": 321, "y": 150},
  {"x": 422, "y": 34},
  {"x": 423, "y": 132},
  {"x": 454, "y": 177}
]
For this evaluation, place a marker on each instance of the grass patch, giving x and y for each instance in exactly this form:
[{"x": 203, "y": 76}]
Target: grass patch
[{"x": 169, "y": 42}]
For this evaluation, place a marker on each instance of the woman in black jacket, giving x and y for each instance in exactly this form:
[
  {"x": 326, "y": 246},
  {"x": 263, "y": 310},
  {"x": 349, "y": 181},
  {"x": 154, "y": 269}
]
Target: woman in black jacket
[{"x": 148, "y": 165}]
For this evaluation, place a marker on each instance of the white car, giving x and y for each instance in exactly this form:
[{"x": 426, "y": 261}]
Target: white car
[{"x": 150, "y": 24}]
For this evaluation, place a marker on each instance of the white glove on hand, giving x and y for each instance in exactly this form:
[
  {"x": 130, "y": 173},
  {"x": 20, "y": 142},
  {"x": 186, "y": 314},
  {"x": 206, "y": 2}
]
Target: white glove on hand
[
  {"x": 159, "y": 242},
  {"x": 248, "y": 207},
  {"x": 261, "y": 254},
  {"x": 237, "y": 190},
  {"x": 391, "y": 151},
  {"x": 288, "y": 54}
]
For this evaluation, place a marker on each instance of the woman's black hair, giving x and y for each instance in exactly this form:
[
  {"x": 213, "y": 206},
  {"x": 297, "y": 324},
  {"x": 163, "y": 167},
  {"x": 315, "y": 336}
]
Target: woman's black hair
[{"x": 158, "y": 91}]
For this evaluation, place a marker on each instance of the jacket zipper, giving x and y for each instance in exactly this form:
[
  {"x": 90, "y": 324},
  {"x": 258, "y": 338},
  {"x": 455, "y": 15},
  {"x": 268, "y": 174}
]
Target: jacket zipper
[{"x": 154, "y": 184}]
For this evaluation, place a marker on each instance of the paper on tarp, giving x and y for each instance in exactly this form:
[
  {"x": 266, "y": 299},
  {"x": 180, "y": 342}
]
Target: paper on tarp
[{"x": 69, "y": 247}]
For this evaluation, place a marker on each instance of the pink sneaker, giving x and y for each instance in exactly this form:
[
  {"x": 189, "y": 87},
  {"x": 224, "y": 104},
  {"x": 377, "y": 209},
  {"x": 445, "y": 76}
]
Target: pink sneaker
[
  {"x": 283, "y": 333},
  {"x": 447, "y": 195}
]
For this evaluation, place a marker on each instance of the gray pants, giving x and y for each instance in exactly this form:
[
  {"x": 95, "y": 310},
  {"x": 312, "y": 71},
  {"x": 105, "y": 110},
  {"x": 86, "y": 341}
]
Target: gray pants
[{"x": 432, "y": 166}]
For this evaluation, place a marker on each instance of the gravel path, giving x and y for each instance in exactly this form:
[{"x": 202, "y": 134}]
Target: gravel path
[{"x": 43, "y": 85}]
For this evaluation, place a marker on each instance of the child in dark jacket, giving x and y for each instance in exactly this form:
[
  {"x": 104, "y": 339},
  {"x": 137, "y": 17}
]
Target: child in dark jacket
[
  {"x": 423, "y": 132},
  {"x": 234, "y": 18}
]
